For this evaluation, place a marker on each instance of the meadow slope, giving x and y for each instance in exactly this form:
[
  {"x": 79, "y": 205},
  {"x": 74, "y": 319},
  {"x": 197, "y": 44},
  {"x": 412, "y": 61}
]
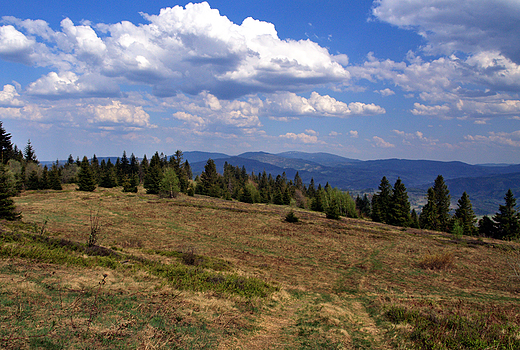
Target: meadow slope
[{"x": 198, "y": 272}]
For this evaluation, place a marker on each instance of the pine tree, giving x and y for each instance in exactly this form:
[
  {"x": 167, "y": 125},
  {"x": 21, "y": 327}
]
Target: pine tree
[
  {"x": 44, "y": 180},
  {"x": 30, "y": 155},
  {"x": 209, "y": 179},
  {"x": 428, "y": 219},
  {"x": 7, "y": 207},
  {"x": 33, "y": 182},
  {"x": 414, "y": 220},
  {"x": 86, "y": 180},
  {"x": 54, "y": 178},
  {"x": 6, "y": 147},
  {"x": 507, "y": 219},
  {"x": 442, "y": 203},
  {"x": 399, "y": 214},
  {"x": 486, "y": 227},
  {"x": 152, "y": 178},
  {"x": 465, "y": 216},
  {"x": 381, "y": 202},
  {"x": 332, "y": 210}
]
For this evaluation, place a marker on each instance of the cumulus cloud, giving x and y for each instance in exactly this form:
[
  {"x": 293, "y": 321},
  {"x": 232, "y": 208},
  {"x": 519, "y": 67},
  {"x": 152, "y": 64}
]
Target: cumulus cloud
[
  {"x": 302, "y": 137},
  {"x": 9, "y": 97},
  {"x": 68, "y": 84},
  {"x": 449, "y": 26},
  {"x": 417, "y": 136},
  {"x": 318, "y": 105},
  {"x": 379, "y": 142},
  {"x": 502, "y": 138},
  {"x": 353, "y": 133},
  {"x": 183, "y": 49},
  {"x": 117, "y": 113},
  {"x": 385, "y": 92}
]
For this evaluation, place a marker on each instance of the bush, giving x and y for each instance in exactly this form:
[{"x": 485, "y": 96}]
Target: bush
[
  {"x": 291, "y": 217},
  {"x": 442, "y": 261}
]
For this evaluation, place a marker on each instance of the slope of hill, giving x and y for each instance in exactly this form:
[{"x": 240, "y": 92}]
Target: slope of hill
[{"x": 203, "y": 273}]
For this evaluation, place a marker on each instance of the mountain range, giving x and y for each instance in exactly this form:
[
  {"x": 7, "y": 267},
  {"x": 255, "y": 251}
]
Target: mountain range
[{"x": 485, "y": 184}]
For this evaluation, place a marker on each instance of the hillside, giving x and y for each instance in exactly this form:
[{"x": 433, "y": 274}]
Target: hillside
[{"x": 203, "y": 273}]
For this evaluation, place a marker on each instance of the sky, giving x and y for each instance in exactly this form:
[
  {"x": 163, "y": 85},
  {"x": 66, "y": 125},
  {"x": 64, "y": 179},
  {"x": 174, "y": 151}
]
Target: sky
[{"x": 423, "y": 79}]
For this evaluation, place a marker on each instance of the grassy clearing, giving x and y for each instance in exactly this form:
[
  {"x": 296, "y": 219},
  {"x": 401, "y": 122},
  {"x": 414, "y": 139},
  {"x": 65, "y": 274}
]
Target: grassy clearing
[{"x": 207, "y": 273}]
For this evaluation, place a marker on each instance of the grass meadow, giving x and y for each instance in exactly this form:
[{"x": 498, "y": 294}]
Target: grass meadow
[{"x": 205, "y": 273}]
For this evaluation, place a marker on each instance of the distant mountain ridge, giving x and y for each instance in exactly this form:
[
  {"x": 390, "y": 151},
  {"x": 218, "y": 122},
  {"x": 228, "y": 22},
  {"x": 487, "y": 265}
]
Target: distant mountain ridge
[{"x": 485, "y": 184}]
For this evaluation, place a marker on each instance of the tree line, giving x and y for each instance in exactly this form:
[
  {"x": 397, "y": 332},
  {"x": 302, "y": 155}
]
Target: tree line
[{"x": 169, "y": 176}]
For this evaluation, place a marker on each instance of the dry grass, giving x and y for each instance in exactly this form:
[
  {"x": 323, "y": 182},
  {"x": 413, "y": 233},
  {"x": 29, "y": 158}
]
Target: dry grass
[{"x": 336, "y": 278}]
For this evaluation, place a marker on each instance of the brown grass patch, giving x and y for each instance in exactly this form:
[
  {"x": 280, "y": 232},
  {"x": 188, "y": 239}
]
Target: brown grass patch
[{"x": 441, "y": 261}]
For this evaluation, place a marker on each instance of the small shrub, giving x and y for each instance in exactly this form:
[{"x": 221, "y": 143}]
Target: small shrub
[
  {"x": 443, "y": 261},
  {"x": 291, "y": 217}
]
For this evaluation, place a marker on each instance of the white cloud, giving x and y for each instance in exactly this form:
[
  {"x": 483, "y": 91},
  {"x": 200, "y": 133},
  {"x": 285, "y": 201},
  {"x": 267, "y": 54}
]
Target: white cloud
[
  {"x": 385, "y": 92},
  {"x": 9, "y": 97},
  {"x": 189, "y": 49},
  {"x": 420, "y": 109},
  {"x": 418, "y": 136},
  {"x": 502, "y": 138},
  {"x": 318, "y": 105},
  {"x": 449, "y": 26},
  {"x": 68, "y": 84},
  {"x": 353, "y": 133},
  {"x": 117, "y": 113},
  {"x": 15, "y": 46},
  {"x": 379, "y": 142},
  {"x": 302, "y": 137}
]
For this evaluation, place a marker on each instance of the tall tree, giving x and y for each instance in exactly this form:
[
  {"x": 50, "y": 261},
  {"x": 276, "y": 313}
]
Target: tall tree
[
  {"x": 209, "y": 179},
  {"x": 507, "y": 219},
  {"x": 29, "y": 154},
  {"x": 465, "y": 215},
  {"x": 86, "y": 179},
  {"x": 54, "y": 178},
  {"x": 152, "y": 178},
  {"x": 399, "y": 214},
  {"x": 381, "y": 202},
  {"x": 6, "y": 147},
  {"x": 442, "y": 203},
  {"x": 428, "y": 219},
  {"x": 7, "y": 207},
  {"x": 170, "y": 183}
]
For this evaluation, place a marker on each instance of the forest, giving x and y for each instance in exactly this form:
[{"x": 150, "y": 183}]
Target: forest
[{"x": 168, "y": 176}]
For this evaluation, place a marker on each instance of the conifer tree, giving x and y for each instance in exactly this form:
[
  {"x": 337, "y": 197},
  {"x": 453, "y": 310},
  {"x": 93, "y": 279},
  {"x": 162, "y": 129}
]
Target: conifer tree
[
  {"x": 44, "y": 180},
  {"x": 33, "y": 182},
  {"x": 442, "y": 203},
  {"x": 507, "y": 219},
  {"x": 332, "y": 210},
  {"x": 7, "y": 207},
  {"x": 381, "y": 202},
  {"x": 465, "y": 216},
  {"x": 152, "y": 178},
  {"x": 54, "y": 178},
  {"x": 414, "y": 220},
  {"x": 486, "y": 227},
  {"x": 399, "y": 214},
  {"x": 209, "y": 179},
  {"x": 428, "y": 218},
  {"x": 86, "y": 180},
  {"x": 6, "y": 147},
  {"x": 30, "y": 155}
]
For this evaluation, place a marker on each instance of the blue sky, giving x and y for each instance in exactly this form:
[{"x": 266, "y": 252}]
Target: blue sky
[{"x": 424, "y": 79}]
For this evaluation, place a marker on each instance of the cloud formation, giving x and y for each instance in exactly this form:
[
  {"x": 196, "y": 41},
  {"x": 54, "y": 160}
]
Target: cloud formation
[
  {"x": 183, "y": 49},
  {"x": 467, "y": 26}
]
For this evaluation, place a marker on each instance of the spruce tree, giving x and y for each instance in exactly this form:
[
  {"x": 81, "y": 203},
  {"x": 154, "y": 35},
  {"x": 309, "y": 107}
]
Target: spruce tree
[
  {"x": 428, "y": 219},
  {"x": 33, "y": 182},
  {"x": 29, "y": 154},
  {"x": 86, "y": 179},
  {"x": 152, "y": 178},
  {"x": 465, "y": 216},
  {"x": 54, "y": 178},
  {"x": 332, "y": 210},
  {"x": 507, "y": 219},
  {"x": 399, "y": 214},
  {"x": 7, "y": 207},
  {"x": 381, "y": 202},
  {"x": 486, "y": 227},
  {"x": 209, "y": 179},
  {"x": 442, "y": 203},
  {"x": 6, "y": 147}
]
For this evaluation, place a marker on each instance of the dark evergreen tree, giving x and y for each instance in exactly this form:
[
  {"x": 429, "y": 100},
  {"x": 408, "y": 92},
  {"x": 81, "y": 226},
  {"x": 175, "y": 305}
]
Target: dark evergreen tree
[
  {"x": 210, "y": 180},
  {"x": 44, "y": 180},
  {"x": 442, "y": 203},
  {"x": 187, "y": 170},
  {"x": 246, "y": 195},
  {"x": 54, "y": 178},
  {"x": 29, "y": 154},
  {"x": 33, "y": 182},
  {"x": 428, "y": 218},
  {"x": 486, "y": 227},
  {"x": 86, "y": 180},
  {"x": 414, "y": 219},
  {"x": 7, "y": 190},
  {"x": 465, "y": 216},
  {"x": 399, "y": 214},
  {"x": 6, "y": 147},
  {"x": 152, "y": 178},
  {"x": 332, "y": 210},
  {"x": 108, "y": 178},
  {"x": 381, "y": 202},
  {"x": 507, "y": 219}
]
